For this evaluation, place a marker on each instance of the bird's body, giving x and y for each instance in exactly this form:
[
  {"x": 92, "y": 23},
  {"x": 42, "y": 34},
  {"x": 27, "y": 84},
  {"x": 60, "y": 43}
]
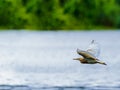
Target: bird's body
[{"x": 89, "y": 56}]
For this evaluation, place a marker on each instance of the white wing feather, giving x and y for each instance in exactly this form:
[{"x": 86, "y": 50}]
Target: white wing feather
[{"x": 94, "y": 48}]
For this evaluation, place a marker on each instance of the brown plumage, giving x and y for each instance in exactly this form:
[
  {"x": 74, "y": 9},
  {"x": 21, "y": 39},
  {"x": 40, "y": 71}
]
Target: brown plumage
[{"x": 88, "y": 57}]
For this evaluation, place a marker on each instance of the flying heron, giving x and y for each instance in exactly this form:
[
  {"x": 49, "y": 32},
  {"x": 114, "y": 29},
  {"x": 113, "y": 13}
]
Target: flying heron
[{"x": 90, "y": 55}]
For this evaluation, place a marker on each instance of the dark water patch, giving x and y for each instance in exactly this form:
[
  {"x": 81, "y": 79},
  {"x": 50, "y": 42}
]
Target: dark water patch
[
  {"x": 104, "y": 88},
  {"x": 21, "y": 87},
  {"x": 6, "y": 87},
  {"x": 77, "y": 88},
  {"x": 71, "y": 87},
  {"x": 46, "y": 88},
  {"x": 15, "y": 87},
  {"x": 61, "y": 88},
  {"x": 26, "y": 87}
]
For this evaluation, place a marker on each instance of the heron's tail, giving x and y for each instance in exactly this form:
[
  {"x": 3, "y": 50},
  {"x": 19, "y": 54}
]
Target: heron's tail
[{"x": 103, "y": 63}]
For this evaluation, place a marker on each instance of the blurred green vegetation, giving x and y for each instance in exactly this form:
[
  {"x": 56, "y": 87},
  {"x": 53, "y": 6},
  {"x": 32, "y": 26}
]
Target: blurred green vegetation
[{"x": 59, "y": 14}]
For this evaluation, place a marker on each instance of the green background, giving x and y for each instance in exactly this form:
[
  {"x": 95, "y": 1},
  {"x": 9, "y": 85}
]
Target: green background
[{"x": 60, "y": 14}]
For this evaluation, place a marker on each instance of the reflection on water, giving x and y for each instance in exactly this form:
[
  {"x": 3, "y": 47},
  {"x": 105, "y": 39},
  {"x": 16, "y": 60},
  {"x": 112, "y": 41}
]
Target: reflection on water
[{"x": 43, "y": 60}]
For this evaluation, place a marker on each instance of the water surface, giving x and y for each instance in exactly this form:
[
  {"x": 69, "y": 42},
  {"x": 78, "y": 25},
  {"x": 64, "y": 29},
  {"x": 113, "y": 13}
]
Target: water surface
[{"x": 43, "y": 61}]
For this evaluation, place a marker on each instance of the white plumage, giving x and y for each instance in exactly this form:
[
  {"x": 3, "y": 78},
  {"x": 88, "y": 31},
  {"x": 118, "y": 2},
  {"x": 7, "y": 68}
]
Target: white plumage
[{"x": 94, "y": 48}]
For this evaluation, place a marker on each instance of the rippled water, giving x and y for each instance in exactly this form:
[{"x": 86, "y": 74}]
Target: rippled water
[{"x": 44, "y": 61}]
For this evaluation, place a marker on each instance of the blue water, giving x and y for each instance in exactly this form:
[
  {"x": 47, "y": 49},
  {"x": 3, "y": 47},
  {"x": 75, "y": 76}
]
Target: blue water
[{"x": 32, "y": 60}]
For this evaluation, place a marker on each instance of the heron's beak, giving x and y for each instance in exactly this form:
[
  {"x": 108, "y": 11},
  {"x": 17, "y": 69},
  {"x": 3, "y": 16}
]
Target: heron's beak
[{"x": 76, "y": 58}]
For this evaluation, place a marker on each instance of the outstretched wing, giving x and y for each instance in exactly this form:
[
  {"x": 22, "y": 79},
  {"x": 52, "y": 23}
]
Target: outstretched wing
[
  {"x": 94, "y": 48},
  {"x": 85, "y": 54}
]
